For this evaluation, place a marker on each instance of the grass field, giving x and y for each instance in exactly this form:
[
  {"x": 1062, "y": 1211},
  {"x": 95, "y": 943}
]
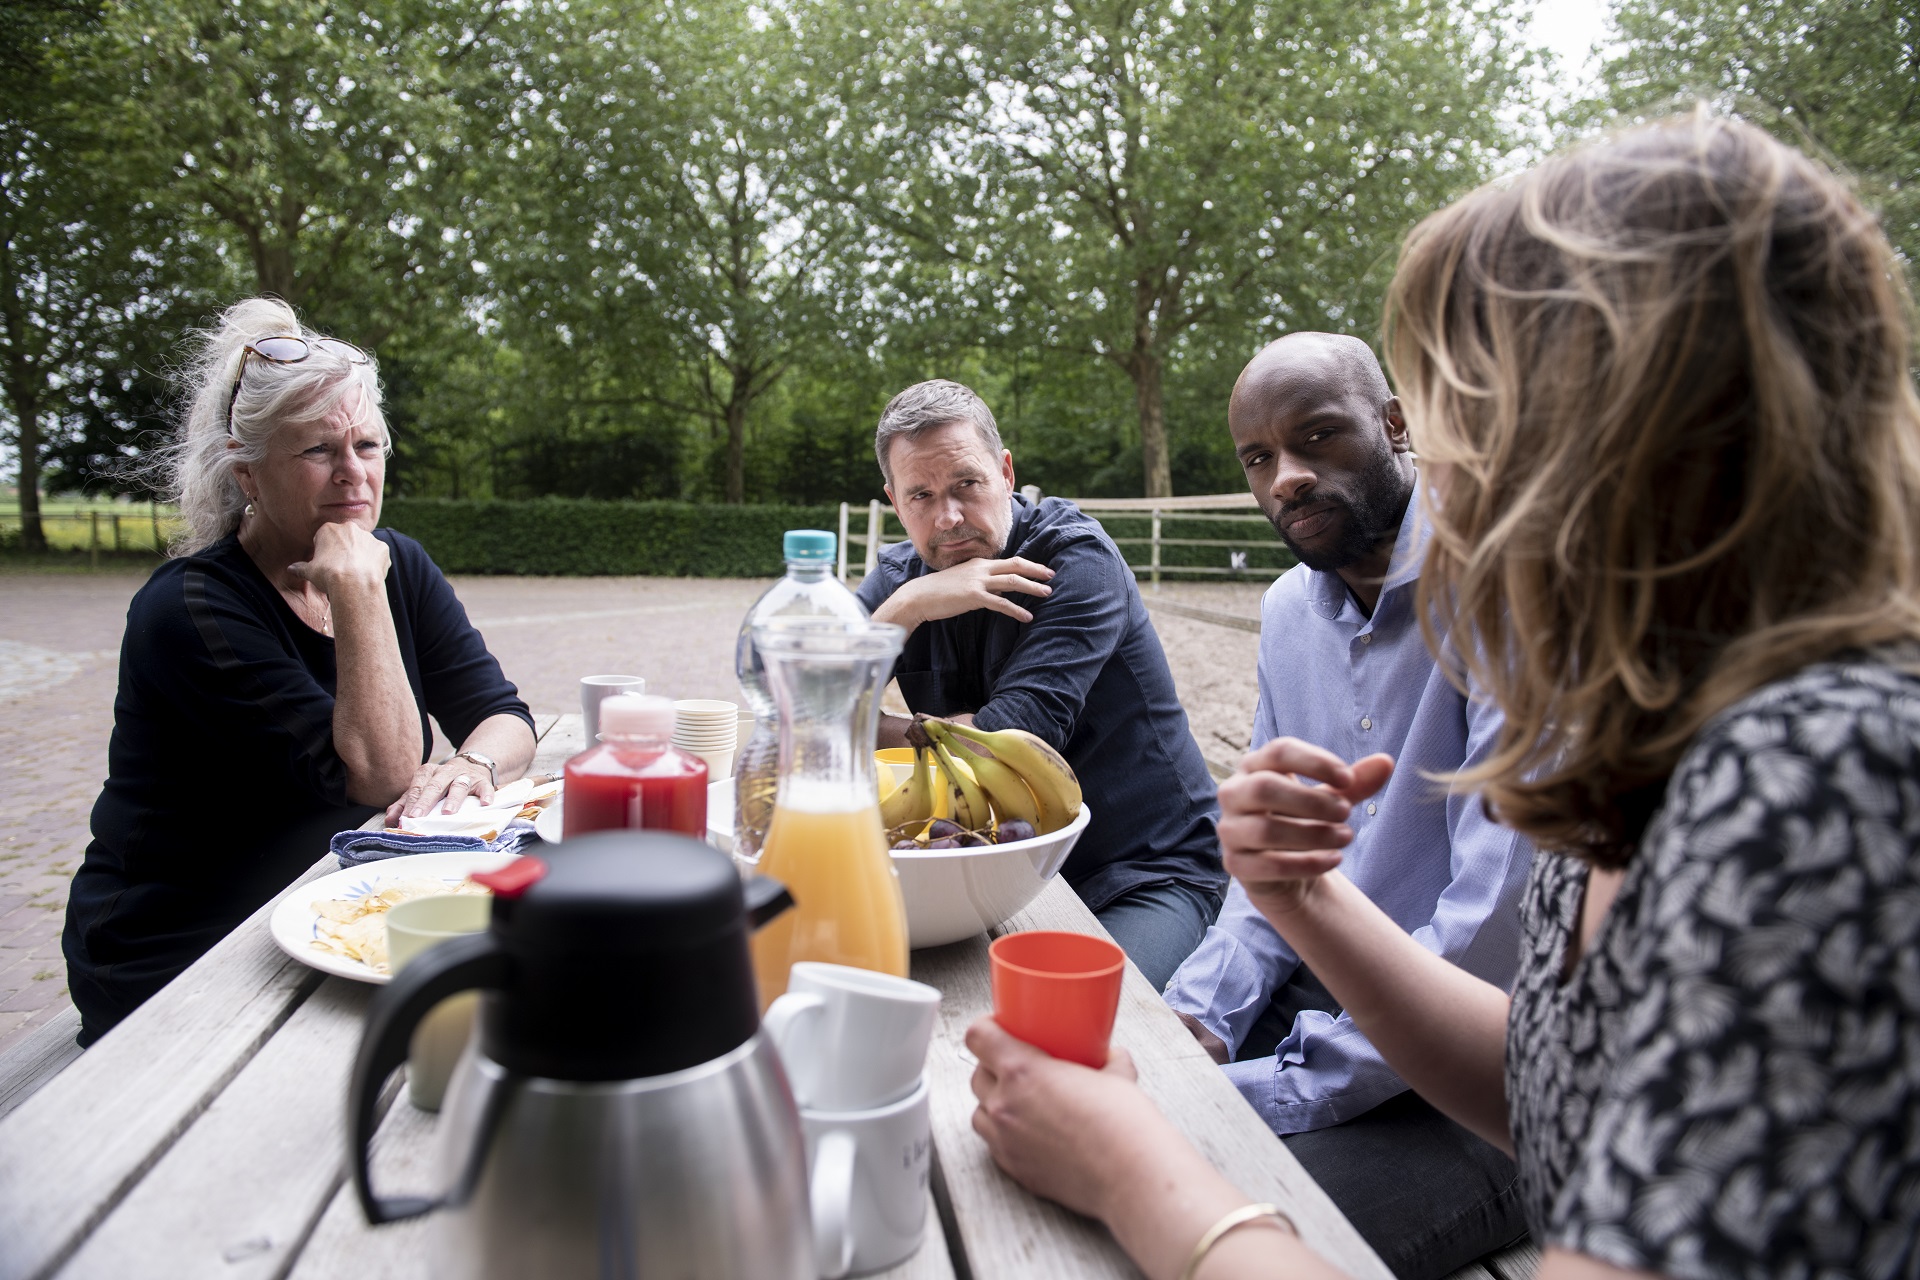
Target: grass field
[{"x": 74, "y": 524}]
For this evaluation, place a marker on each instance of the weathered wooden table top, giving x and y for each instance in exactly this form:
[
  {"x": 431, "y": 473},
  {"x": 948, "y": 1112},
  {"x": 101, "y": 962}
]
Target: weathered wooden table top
[{"x": 205, "y": 1136}]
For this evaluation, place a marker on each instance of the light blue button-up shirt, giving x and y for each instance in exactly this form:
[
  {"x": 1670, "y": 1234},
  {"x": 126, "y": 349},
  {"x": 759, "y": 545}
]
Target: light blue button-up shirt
[{"x": 1435, "y": 862}]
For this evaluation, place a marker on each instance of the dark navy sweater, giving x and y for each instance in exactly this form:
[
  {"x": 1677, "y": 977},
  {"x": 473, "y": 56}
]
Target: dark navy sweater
[
  {"x": 1089, "y": 676},
  {"x": 223, "y": 783}
]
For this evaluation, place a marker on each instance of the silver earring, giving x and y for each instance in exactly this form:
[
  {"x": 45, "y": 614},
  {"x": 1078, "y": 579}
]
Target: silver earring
[{"x": 249, "y": 510}]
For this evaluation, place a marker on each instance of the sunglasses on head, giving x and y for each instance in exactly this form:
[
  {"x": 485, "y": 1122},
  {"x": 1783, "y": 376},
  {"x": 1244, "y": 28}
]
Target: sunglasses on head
[{"x": 289, "y": 349}]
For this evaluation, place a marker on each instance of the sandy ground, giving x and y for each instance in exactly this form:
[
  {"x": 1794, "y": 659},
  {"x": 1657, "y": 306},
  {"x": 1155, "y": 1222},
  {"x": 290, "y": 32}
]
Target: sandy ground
[{"x": 59, "y": 643}]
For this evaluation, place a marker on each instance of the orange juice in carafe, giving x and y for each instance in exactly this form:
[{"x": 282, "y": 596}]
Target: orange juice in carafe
[
  {"x": 848, "y": 908},
  {"x": 825, "y": 841}
]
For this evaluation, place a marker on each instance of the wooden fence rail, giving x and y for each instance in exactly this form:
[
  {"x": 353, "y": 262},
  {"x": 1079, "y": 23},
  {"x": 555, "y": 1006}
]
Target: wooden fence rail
[
  {"x": 1230, "y": 508},
  {"x": 96, "y": 529}
]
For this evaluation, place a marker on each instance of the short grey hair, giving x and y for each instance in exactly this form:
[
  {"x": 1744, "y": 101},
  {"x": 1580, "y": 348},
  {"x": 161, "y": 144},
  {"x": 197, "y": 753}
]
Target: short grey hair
[
  {"x": 196, "y": 469},
  {"x": 928, "y": 406}
]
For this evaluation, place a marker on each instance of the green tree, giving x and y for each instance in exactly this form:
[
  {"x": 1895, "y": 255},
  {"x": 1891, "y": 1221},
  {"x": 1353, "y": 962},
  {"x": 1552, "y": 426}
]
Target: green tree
[
  {"x": 1104, "y": 177},
  {"x": 682, "y": 251},
  {"x": 318, "y": 153},
  {"x": 86, "y": 264},
  {"x": 318, "y": 146},
  {"x": 1844, "y": 74}
]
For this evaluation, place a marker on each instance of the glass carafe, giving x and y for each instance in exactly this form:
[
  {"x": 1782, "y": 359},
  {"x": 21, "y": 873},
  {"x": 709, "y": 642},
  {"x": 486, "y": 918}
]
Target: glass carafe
[{"x": 825, "y": 842}]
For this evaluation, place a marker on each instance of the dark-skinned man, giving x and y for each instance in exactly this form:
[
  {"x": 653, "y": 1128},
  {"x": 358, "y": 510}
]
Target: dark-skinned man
[
  {"x": 1025, "y": 615},
  {"x": 1344, "y": 666}
]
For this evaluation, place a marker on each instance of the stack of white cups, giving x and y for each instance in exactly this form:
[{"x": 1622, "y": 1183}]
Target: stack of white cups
[
  {"x": 854, "y": 1044},
  {"x": 706, "y": 728}
]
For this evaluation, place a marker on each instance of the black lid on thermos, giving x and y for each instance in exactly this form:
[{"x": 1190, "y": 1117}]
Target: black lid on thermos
[{"x": 626, "y": 958}]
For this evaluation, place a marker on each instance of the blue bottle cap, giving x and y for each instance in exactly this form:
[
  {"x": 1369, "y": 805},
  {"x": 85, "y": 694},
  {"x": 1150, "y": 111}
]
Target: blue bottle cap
[{"x": 809, "y": 544}]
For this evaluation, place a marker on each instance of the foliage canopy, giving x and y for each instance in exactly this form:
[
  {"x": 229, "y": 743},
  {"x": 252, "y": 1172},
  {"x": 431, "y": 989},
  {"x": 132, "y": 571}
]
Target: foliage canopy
[{"x": 687, "y": 249}]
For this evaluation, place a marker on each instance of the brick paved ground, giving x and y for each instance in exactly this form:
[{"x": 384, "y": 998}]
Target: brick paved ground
[
  {"x": 60, "y": 636},
  {"x": 59, "y": 641}
]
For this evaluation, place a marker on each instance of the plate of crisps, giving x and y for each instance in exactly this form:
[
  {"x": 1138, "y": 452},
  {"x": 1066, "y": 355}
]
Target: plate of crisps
[{"x": 338, "y": 923}]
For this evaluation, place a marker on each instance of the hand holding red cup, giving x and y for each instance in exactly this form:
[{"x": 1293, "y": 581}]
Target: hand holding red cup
[{"x": 1059, "y": 992}]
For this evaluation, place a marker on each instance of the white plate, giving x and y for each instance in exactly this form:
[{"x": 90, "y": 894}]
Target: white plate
[
  {"x": 295, "y": 924},
  {"x": 720, "y": 815},
  {"x": 551, "y": 824}
]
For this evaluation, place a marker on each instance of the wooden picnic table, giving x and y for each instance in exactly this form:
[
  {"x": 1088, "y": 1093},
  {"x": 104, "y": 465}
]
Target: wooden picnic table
[{"x": 205, "y": 1136}]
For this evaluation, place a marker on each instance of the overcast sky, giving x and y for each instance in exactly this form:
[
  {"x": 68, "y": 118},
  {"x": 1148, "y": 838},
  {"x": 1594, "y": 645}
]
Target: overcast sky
[{"x": 1569, "y": 28}]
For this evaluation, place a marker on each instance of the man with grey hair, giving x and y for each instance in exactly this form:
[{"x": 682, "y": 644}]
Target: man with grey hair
[{"x": 1025, "y": 615}]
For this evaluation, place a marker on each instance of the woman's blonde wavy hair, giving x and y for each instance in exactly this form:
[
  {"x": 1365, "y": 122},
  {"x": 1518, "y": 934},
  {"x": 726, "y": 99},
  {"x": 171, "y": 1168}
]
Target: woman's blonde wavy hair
[{"x": 1661, "y": 386}]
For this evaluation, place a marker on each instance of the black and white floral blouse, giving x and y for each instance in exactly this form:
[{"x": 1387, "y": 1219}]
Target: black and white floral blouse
[{"x": 1728, "y": 1083}]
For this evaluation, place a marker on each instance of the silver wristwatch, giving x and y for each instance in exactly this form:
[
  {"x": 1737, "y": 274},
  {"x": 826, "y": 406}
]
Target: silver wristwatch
[{"x": 485, "y": 762}]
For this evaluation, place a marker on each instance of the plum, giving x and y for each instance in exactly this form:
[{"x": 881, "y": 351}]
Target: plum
[
  {"x": 1014, "y": 830},
  {"x": 944, "y": 829},
  {"x": 972, "y": 840}
]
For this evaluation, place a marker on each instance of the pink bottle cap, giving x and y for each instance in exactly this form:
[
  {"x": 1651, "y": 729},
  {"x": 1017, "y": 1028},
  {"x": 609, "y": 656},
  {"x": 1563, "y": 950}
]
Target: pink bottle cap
[{"x": 636, "y": 715}]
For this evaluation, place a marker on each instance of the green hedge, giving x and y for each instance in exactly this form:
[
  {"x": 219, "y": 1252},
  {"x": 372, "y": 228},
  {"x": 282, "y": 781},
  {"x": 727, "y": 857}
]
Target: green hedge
[{"x": 583, "y": 536}]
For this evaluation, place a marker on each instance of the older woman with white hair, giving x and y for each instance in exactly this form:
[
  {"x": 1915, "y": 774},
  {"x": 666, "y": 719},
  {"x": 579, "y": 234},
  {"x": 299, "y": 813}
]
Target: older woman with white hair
[{"x": 277, "y": 674}]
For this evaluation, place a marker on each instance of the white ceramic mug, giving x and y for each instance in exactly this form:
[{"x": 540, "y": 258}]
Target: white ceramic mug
[
  {"x": 442, "y": 1035},
  {"x": 851, "y": 1039},
  {"x": 595, "y": 690},
  {"x": 867, "y": 1174}
]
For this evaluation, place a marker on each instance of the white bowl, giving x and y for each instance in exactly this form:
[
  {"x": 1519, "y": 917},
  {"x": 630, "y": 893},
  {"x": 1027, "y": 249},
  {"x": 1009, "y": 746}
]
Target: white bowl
[{"x": 951, "y": 894}]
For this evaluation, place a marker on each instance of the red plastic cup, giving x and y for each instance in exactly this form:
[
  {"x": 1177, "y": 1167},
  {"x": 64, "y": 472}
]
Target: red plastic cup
[{"x": 1058, "y": 991}]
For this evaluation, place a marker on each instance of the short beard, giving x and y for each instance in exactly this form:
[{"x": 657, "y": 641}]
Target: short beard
[
  {"x": 995, "y": 543},
  {"x": 1379, "y": 504}
]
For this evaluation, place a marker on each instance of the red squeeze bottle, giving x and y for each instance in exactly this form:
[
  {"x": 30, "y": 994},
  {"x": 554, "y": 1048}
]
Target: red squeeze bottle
[{"x": 634, "y": 777}]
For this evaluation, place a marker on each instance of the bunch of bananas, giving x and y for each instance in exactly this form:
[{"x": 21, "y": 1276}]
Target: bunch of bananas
[{"x": 997, "y": 786}]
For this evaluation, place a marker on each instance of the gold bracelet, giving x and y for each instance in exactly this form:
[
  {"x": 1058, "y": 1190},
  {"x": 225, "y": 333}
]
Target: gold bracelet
[{"x": 1232, "y": 1221}]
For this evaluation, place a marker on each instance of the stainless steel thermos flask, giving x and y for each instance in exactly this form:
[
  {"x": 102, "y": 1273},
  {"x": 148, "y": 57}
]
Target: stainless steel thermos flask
[{"x": 619, "y": 1113}]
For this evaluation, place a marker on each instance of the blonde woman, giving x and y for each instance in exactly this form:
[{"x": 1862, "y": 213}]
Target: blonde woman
[
  {"x": 277, "y": 673},
  {"x": 1660, "y": 387}
]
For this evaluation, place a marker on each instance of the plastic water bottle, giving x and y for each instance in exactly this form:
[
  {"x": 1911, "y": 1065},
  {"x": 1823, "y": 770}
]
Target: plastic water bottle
[{"x": 809, "y": 589}]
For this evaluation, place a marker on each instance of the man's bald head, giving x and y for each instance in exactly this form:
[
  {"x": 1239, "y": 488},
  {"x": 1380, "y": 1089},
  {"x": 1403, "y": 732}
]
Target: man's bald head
[
  {"x": 1312, "y": 362},
  {"x": 1324, "y": 446}
]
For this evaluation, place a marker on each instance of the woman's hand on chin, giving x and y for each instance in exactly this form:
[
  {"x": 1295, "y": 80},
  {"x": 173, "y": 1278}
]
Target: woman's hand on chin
[
  {"x": 1059, "y": 1129},
  {"x": 345, "y": 556}
]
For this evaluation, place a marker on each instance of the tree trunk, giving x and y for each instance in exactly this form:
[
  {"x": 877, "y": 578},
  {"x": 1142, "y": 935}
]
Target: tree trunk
[
  {"x": 737, "y": 403},
  {"x": 1157, "y": 468},
  {"x": 32, "y": 536},
  {"x": 273, "y": 271},
  {"x": 25, "y": 382}
]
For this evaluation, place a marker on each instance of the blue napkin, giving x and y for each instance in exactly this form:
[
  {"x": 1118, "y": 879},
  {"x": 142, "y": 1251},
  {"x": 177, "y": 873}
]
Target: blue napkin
[{"x": 356, "y": 848}]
